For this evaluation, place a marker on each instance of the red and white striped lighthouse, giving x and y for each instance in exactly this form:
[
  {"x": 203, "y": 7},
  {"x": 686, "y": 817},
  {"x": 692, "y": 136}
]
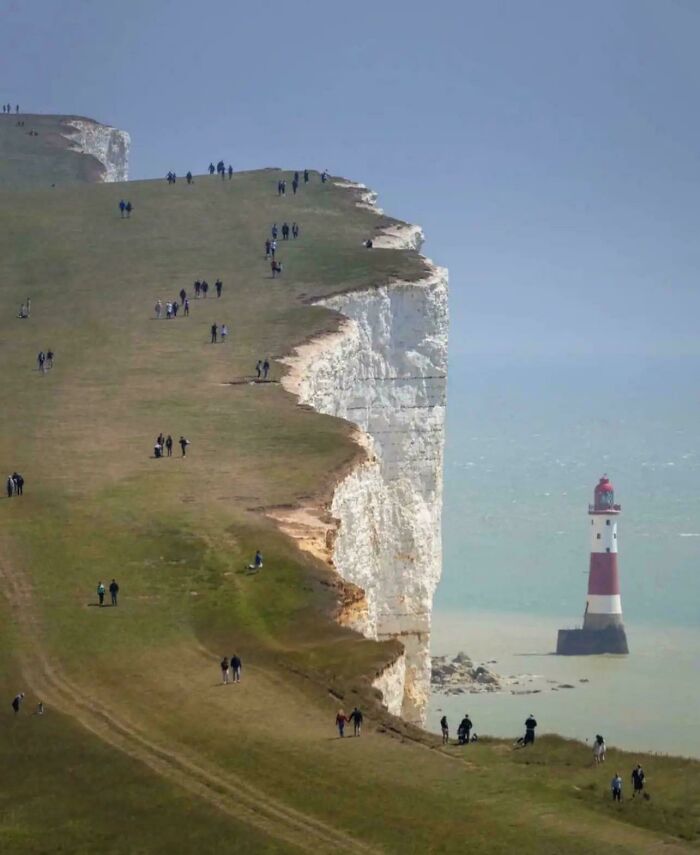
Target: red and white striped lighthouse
[{"x": 603, "y": 630}]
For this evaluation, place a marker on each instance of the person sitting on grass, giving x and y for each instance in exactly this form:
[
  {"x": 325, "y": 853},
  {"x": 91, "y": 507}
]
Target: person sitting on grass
[{"x": 257, "y": 562}]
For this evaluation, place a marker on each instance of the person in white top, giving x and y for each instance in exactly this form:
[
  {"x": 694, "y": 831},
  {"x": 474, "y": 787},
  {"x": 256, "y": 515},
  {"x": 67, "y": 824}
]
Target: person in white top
[{"x": 224, "y": 332}]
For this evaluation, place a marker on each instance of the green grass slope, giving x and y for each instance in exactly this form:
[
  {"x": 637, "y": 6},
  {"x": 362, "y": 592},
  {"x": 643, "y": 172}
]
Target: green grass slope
[
  {"x": 43, "y": 158},
  {"x": 139, "y": 734}
]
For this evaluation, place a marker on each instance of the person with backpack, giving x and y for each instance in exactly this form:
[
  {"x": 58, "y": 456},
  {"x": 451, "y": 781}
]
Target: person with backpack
[
  {"x": 113, "y": 591},
  {"x": 356, "y": 718}
]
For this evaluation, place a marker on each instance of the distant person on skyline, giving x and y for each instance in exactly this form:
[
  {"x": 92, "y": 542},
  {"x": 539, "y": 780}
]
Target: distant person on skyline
[
  {"x": 268, "y": 245},
  {"x": 212, "y": 169},
  {"x": 230, "y": 172},
  {"x": 189, "y": 177},
  {"x": 306, "y": 176},
  {"x": 183, "y": 294},
  {"x": 186, "y": 307}
]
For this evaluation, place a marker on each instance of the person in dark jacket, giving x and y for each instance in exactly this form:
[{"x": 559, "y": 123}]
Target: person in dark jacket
[
  {"x": 224, "y": 669},
  {"x": 530, "y": 725},
  {"x": 637, "y": 780},
  {"x": 17, "y": 702},
  {"x": 19, "y": 483},
  {"x": 236, "y": 666},
  {"x": 113, "y": 591},
  {"x": 445, "y": 728},
  {"x": 464, "y": 730},
  {"x": 356, "y": 719},
  {"x": 214, "y": 330},
  {"x": 218, "y": 285}
]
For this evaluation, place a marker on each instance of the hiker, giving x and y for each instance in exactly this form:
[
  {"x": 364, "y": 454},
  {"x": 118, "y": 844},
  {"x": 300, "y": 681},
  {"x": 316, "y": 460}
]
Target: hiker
[
  {"x": 274, "y": 231},
  {"x": 183, "y": 445},
  {"x": 122, "y": 207},
  {"x": 236, "y": 666},
  {"x": 17, "y": 702},
  {"x": 168, "y": 310},
  {"x": 10, "y": 486},
  {"x": 214, "y": 330},
  {"x": 197, "y": 288},
  {"x": 637, "y": 780},
  {"x": 41, "y": 359},
  {"x": 169, "y": 445},
  {"x": 113, "y": 591},
  {"x": 19, "y": 483},
  {"x": 341, "y": 720},
  {"x": 464, "y": 730},
  {"x": 186, "y": 307},
  {"x": 129, "y": 209},
  {"x": 49, "y": 358},
  {"x": 599, "y": 750},
  {"x": 159, "y": 309},
  {"x": 530, "y": 725},
  {"x": 295, "y": 231},
  {"x": 211, "y": 169},
  {"x": 176, "y": 306},
  {"x": 258, "y": 368},
  {"x": 205, "y": 287},
  {"x": 189, "y": 177},
  {"x": 268, "y": 244},
  {"x": 224, "y": 669},
  {"x": 306, "y": 176},
  {"x": 285, "y": 231},
  {"x": 296, "y": 175},
  {"x": 183, "y": 294},
  {"x": 224, "y": 333},
  {"x": 230, "y": 172},
  {"x": 295, "y": 185},
  {"x": 257, "y": 561},
  {"x": 218, "y": 285},
  {"x": 356, "y": 719},
  {"x": 266, "y": 368},
  {"x": 324, "y": 176},
  {"x": 101, "y": 593},
  {"x": 445, "y": 728},
  {"x": 616, "y": 787}
]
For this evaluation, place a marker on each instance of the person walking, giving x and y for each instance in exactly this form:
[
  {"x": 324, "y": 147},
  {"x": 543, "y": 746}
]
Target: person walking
[
  {"x": 224, "y": 333},
  {"x": 176, "y": 306},
  {"x": 17, "y": 702},
  {"x": 445, "y": 728},
  {"x": 306, "y": 176},
  {"x": 19, "y": 483},
  {"x": 101, "y": 593},
  {"x": 159, "y": 309},
  {"x": 197, "y": 289},
  {"x": 49, "y": 359},
  {"x": 129, "y": 209},
  {"x": 189, "y": 177},
  {"x": 637, "y": 780},
  {"x": 168, "y": 310},
  {"x": 295, "y": 231},
  {"x": 186, "y": 307},
  {"x": 236, "y": 666},
  {"x": 113, "y": 591},
  {"x": 41, "y": 359},
  {"x": 183, "y": 295},
  {"x": 183, "y": 445},
  {"x": 219, "y": 286},
  {"x": 464, "y": 730},
  {"x": 530, "y": 725},
  {"x": 214, "y": 330},
  {"x": 230, "y": 172},
  {"x": 10, "y": 486},
  {"x": 268, "y": 245},
  {"x": 212, "y": 169},
  {"x": 356, "y": 719},
  {"x": 224, "y": 669},
  {"x": 266, "y": 368},
  {"x": 169, "y": 445},
  {"x": 205, "y": 287},
  {"x": 122, "y": 208},
  {"x": 616, "y": 787},
  {"x": 258, "y": 368},
  {"x": 341, "y": 720}
]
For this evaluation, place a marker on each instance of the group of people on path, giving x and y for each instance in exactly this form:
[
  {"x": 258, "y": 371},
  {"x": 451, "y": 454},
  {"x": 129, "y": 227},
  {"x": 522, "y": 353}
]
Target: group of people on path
[
  {"x": 464, "y": 731},
  {"x": 355, "y": 717},
  {"x": 125, "y": 208},
  {"x": 286, "y": 230},
  {"x": 231, "y": 669},
  {"x": 163, "y": 446},
  {"x": 172, "y": 307},
  {"x": 45, "y": 360},
  {"x": 262, "y": 369},
  {"x": 7, "y": 108},
  {"x": 113, "y": 592},
  {"x": 201, "y": 289},
  {"x": 638, "y": 779},
  {"x": 15, "y": 485},
  {"x": 221, "y": 170}
]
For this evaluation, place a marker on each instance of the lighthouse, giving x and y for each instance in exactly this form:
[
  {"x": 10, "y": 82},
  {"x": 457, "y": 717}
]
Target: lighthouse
[{"x": 603, "y": 630}]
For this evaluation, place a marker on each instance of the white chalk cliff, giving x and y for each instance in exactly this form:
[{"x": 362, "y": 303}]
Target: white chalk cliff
[
  {"x": 385, "y": 370},
  {"x": 108, "y": 145}
]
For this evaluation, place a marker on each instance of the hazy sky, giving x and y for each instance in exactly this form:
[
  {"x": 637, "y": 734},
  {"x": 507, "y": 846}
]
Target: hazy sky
[{"x": 551, "y": 150}]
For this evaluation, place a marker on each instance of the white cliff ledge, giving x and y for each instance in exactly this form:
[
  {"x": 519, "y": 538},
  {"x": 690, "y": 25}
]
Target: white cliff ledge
[
  {"x": 385, "y": 370},
  {"x": 106, "y": 144}
]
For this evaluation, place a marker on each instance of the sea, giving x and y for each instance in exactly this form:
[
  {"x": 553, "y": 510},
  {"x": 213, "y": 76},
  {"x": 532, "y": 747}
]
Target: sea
[{"x": 527, "y": 440}]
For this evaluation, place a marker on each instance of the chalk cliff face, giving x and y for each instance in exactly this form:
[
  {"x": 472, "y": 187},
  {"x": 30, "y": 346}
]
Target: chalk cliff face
[
  {"x": 108, "y": 145},
  {"x": 385, "y": 371}
]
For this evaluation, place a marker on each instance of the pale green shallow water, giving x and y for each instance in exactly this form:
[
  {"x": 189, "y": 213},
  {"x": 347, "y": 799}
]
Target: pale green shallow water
[{"x": 526, "y": 445}]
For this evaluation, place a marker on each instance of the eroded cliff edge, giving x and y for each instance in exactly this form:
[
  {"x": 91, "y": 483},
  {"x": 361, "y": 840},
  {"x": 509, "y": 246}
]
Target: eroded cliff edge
[
  {"x": 385, "y": 370},
  {"x": 108, "y": 145}
]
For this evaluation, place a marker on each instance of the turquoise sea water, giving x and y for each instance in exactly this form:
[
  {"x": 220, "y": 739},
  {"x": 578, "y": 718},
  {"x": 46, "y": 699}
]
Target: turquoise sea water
[{"x": 526, "y": 444}]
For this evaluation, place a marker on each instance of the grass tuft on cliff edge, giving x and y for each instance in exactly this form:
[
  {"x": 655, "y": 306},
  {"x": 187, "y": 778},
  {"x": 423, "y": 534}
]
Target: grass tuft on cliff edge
[{"x": 141, "y": 748}]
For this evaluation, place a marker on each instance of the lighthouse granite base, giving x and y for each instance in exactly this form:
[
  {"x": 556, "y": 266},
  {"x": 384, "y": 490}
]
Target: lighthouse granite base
[{"x": 591, "y": 642}]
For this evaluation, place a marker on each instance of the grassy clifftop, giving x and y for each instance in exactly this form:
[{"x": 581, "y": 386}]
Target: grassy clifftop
[{"x": 139, "y": 735}]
